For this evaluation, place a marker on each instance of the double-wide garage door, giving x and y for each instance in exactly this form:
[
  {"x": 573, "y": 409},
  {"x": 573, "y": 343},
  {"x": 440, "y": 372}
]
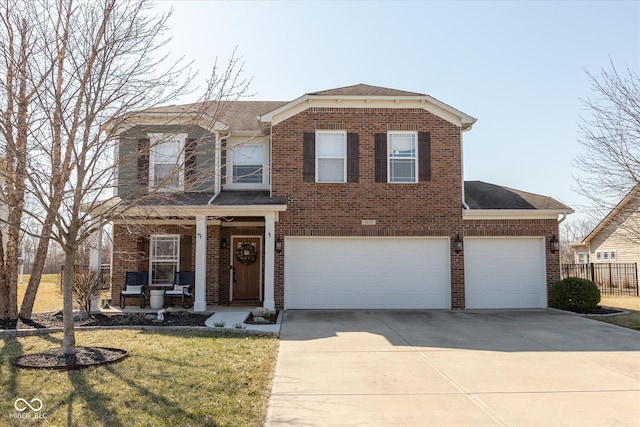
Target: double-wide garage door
[
  {"x": 505, "y": 272},
  {"x": 387, "y": 273}
]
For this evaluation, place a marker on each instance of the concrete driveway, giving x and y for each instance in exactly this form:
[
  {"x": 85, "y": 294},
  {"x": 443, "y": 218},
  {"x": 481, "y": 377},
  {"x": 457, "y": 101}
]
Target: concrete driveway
[{"x": 454, "y": 368}]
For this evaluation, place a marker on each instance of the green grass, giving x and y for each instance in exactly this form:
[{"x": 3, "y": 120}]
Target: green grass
[
  {"x": 48, "y": 297},
  {"x": 630, "y": 304},
  {"x": 169, "y": 379}
]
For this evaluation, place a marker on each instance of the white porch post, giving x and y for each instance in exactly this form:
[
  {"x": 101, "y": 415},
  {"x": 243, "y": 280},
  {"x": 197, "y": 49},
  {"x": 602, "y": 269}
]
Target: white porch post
[
  {"x": 200, "y": 304},
  {"x": 269, "y": 261},
  {"x": 95, "y": 252}
]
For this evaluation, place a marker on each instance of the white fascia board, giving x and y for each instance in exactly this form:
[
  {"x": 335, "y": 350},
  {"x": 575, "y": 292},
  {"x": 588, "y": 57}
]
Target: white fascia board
[
  {"x": 426, "y": 102},
  {"x": 501, "y": 214}
]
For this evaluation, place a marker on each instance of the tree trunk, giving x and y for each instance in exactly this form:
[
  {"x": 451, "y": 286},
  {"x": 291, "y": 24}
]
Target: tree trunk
[
  {"x": 29, "y": 298},
  {"x": 69, "y": 338}
]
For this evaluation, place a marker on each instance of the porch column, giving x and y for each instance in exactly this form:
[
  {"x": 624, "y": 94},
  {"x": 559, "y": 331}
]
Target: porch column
[
  {"x": 95, "y": 252},
  {"x": 269, "y": 261},
  {"x": 200, "y": 304}
]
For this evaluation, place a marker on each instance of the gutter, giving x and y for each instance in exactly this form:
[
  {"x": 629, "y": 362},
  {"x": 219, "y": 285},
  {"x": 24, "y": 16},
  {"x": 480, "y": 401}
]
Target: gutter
[{"x": 217, "y": 178}]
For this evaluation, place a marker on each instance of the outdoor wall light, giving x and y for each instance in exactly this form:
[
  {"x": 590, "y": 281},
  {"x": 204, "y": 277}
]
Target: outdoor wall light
[
  {"x": 278, "y": 244},
  {"x": 457, "y": 244},
  {"x": 223, "y": 243},
  {"x": 554, "y": 244}
]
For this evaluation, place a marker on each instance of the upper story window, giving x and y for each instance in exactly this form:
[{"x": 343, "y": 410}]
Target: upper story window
[
  {"x": 331, "y": 155},
  {"x": 402, "y": 157},
  {"x": 248, "y": 164},
  {"x": 166, "y": 161}
]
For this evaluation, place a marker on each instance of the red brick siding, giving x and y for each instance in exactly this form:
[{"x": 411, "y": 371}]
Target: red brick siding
[
  {"x": 126, "y": 258},
  {"x": 429, "y": 208}
]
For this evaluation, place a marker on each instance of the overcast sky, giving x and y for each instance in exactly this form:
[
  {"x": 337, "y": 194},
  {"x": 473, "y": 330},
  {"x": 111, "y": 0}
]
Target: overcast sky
[{"x": 518, "y": 67}]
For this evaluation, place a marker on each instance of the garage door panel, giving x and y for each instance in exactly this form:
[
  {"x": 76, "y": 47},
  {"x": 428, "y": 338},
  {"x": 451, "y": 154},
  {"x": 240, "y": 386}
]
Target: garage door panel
[
  {"x": 367, "y": 273},
  {"x": 505, "y": 273}
]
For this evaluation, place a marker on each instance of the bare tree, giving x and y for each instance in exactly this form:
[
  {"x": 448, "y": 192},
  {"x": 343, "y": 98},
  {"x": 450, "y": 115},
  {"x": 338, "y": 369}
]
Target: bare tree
[
  {"x": 106, "y": 67},
  {"x": 24, "y": 76},
  {"x": 610, "y": 137},
  {"x": 571, "y": 231}
]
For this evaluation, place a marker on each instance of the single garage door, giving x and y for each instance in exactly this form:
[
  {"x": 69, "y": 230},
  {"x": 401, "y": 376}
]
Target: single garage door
[
  {"x": 505, "y": 273},
  {"x": 386, "y": 273}
]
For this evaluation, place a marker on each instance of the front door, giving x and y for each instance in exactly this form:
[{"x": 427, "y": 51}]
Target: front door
[{"x": 247, "y": 261}]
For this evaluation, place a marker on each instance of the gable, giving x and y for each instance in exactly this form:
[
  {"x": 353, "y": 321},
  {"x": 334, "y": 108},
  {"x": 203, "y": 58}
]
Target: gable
[{"x": 366, "y": 96}]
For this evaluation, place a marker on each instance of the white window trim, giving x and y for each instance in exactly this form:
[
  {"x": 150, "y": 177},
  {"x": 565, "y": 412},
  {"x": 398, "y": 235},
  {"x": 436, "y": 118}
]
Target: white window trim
[
  {"x": 152, "y": 257},
  {"x": 266, "y": 173},
  {"x": 154, "y": 139},
  {"x": 344, "y": 157},
  {"x": 415, "y": 158},
  {"x": 613, "y": 255}
]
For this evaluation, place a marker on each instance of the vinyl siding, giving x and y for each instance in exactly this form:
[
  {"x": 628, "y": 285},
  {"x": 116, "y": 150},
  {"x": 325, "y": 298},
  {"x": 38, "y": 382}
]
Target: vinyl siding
[
  {"x": 128, "y": 185},
  {"x": 616, "y": 235}
]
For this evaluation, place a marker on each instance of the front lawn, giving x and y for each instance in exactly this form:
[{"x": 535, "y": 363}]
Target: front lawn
[
  {"x": 630, "y": 304},
  {"x": 48, "y": 297},
  {"x": 170, "y": 378}
]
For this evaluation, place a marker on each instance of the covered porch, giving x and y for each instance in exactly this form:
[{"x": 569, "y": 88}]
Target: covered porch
[{"x": 228, "y": 241}]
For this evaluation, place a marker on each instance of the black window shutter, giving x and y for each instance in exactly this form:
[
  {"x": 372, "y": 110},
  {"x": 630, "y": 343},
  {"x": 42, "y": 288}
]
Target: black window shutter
[
  {"x": 143, "y": 161},
  {"x": 424, "y": 156},
  {"x": 190, "y": 163},
  {"x": 381, "y": 157},
  {"x": 353, "y": 157},
  {"x": 309, "y": 157},
  {"x": 186, "y": 258},
  {"x": 143, "y": 254}
]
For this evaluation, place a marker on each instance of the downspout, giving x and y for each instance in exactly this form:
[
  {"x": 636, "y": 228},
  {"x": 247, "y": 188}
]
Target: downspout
[{"x": 217, "y": 181}]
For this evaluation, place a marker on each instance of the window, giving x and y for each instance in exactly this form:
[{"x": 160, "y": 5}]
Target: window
[
  {"x": 166, "y": 168},
  {"x": 248, "y": 164},
  {"x": 583, "y": 258},
  {"x": 331, "y": 153},
  {"x": 613, "y": 255},
  {"x": 605, "y": 255},
  {"x": 165, "y": 255},
  {"x": 402, "y": 157},
  {"x": 598, "y": 255}
]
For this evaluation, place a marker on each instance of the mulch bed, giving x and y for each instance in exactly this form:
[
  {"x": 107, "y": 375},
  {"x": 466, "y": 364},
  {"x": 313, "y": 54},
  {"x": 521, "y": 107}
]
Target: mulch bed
[
  {"x": 54, "y": 320},
  {"x": 604, "y": 310},
  {"x": 84, "y": 358}
]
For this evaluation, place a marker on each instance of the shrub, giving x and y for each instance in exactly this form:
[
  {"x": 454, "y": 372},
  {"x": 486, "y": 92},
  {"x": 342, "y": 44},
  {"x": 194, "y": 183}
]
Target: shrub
[
  {"x": 575, "y": 294},
  {"x": 87, "y": 285}
]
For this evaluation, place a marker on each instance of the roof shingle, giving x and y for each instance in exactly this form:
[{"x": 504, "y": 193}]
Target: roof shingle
[{"x": 481, "y": 195}]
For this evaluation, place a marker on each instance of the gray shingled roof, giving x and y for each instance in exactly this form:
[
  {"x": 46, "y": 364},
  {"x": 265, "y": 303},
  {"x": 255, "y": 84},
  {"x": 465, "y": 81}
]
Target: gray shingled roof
[
  {"x": 226, "y": 198},
  {"x": 365, "y": 90},
  {"x": 481, "y": 195},
  {"x": 238, "y": 115}
]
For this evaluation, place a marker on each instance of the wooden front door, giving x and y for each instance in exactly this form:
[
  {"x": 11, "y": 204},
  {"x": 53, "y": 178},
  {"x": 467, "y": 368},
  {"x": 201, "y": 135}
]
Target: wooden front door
[{"x": 247, "y": 268}]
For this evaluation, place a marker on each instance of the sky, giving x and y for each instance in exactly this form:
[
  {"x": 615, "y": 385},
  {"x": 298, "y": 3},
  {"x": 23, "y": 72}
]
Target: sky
[{"x": 518, "y": 67}]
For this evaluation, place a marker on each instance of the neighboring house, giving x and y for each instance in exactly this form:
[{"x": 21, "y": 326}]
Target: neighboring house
[
  {"x": 616, "y": 239},
  {"x": 346, "y": 198}
]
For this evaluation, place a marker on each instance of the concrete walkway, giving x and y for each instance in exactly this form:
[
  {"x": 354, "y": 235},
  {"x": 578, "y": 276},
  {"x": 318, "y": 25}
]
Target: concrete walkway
[{"x": 454, "y": 368}]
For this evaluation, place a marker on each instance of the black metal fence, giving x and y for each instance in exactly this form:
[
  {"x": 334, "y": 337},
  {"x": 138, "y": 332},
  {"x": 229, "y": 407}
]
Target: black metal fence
[{"x": 612, "y": 278}]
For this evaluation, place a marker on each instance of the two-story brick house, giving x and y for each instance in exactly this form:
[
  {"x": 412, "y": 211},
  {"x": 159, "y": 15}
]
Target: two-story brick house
[{"x": 346, "y": 198}]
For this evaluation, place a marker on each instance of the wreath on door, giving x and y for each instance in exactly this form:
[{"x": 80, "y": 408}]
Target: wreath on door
[{"x": 247, "y": 253}]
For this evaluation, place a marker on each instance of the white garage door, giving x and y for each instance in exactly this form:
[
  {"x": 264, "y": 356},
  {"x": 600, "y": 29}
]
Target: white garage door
[
  {"x": 326, "y": 273},
  {"x": 505, "y": 273}
]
